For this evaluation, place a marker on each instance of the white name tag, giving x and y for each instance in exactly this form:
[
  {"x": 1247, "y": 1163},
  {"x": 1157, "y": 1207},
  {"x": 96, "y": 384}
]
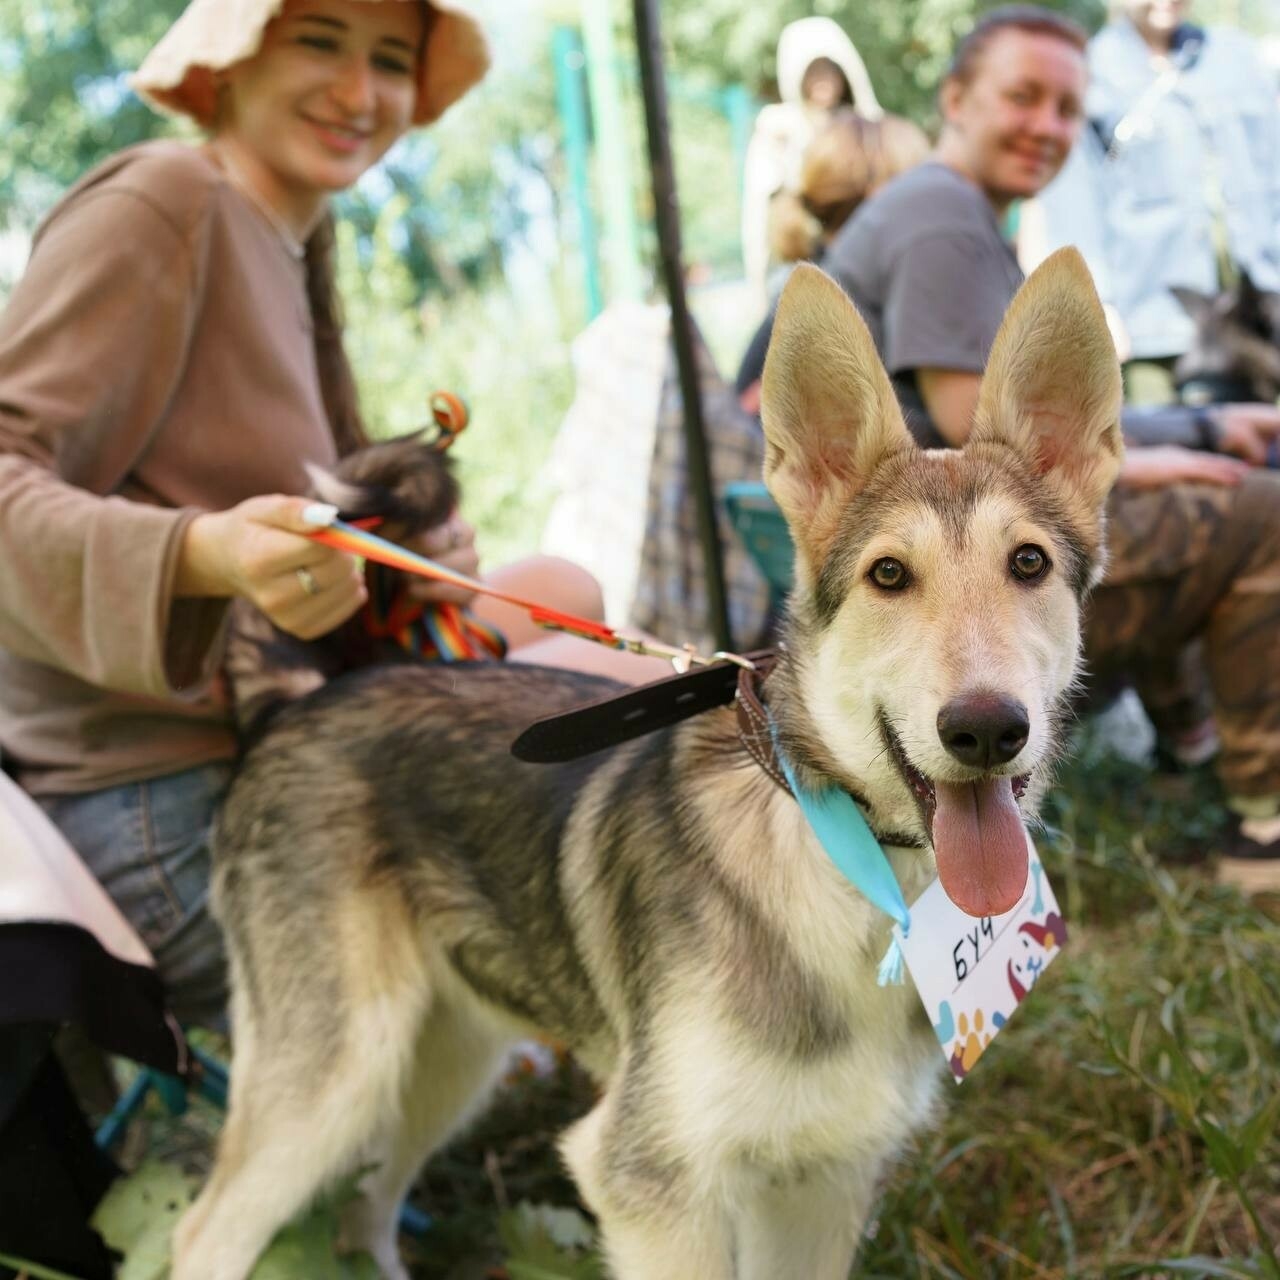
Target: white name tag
[{"x": 972, "y": 974}]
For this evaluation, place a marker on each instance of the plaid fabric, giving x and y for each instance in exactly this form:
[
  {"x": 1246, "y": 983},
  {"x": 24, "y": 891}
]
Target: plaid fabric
[{"x": 670, "y": 599}]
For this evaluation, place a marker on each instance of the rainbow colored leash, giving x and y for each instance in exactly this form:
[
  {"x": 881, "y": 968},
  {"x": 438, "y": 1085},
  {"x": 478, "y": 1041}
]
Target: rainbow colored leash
[
  {"x": 448, "y": 632},
  {"x": 439, "y": 632},
  {"x": 334, "y": 532}
]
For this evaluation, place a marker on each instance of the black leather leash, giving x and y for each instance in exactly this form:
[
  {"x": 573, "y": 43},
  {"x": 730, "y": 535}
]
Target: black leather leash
[{"x": 608, "y": 722}]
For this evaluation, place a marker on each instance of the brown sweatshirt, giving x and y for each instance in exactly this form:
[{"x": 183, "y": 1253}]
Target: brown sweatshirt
[{"x": 156, "y": 359}]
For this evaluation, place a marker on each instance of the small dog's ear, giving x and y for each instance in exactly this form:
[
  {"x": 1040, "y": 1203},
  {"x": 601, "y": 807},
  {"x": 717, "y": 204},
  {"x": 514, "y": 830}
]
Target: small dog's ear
[
  {"x": 347, "y": 497},
  {"x": 829, "y": 413},
  {"x": 1052, "y": 387},
  {"x": 1199, "y": 306},
  {"x": 1248, "y": 306}
]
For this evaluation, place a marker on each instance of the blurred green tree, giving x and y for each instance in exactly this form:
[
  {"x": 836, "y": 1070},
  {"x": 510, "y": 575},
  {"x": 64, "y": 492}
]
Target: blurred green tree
[
  {"x": 905, "y": 43},
  {"x": 63, "y": 95},
  {"x": 467, "y": 188}
]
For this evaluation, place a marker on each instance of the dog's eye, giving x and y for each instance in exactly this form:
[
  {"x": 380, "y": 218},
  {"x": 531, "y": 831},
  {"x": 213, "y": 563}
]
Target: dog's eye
[
  {"x": 1029, "y": 562},
  {"x": 889, "y": 573}
]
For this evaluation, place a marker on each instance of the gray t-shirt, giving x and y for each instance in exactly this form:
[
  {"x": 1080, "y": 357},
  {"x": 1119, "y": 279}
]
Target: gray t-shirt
[{"x": 926, "y": 264}]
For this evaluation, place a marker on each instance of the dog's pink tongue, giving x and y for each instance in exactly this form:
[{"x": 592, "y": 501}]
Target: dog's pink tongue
[{"x": 980, "y": 845}]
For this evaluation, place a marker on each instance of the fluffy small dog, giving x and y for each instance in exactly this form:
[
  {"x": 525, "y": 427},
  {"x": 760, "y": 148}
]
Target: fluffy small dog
[
  {"x": 402, "y": 899},
  {"x": 1235, "y": 353},
  {"x": 409, "y": 485}
]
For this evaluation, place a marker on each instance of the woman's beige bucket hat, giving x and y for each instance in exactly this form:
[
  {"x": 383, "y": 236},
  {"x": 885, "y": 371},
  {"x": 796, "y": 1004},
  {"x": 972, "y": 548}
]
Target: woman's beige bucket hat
[{"x": 178, "y": 75}]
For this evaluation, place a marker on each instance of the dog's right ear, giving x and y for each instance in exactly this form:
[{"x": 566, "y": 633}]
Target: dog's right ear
[
  {"x": 1052, "y": 387},
  {"x": 1199, "y": 306},
  {"x": 829, "y": 413}
]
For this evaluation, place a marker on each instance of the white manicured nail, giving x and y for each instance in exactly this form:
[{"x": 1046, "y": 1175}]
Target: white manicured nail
[{"x": 320, "y": 513}]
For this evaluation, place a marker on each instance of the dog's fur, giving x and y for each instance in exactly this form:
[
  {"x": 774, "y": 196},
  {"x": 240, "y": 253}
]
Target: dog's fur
[
  {"x": 1235, "y": 352},
  {"x": 402, "y": 899},
  {"x": 409, "y": 485}
]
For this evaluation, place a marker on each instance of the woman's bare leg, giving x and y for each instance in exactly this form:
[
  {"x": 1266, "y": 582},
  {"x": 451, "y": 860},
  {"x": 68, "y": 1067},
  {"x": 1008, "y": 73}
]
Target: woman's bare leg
[{"x": 563, "y": 585}]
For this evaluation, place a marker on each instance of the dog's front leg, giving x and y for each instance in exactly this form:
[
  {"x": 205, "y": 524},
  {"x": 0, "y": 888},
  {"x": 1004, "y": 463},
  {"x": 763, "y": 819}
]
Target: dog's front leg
[
  {"x": 802, "y": 1227},
  {"x": 653, "y": 1224}
]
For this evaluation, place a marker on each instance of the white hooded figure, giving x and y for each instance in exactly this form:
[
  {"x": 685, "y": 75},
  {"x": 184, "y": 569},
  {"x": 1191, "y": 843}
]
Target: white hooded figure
[{"x": 813, "y": 55}]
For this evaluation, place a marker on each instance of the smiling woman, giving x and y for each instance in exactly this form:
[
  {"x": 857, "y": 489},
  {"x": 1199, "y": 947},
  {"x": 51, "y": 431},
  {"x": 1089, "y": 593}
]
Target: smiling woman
[
  {"x": 170, "y": 364},
  {"x": 327, "y": 94}
]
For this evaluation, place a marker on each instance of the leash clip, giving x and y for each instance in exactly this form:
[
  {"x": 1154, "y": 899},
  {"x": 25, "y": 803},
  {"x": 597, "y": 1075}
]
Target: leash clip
[{"x": 683, "y": 657}]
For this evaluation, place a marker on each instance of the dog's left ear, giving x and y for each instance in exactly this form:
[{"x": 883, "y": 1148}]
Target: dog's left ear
[
  {"x": 1197, "y": 305},
  {"x": 1052, "y": 387},
  {"x": 829, "y": 413}
]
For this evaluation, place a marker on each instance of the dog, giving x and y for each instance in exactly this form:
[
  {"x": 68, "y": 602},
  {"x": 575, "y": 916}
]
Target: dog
[
  {"x": 409, "y": 485},
  {"x": 1235, "y": 351},
  {"x": 402, "y": 900}
]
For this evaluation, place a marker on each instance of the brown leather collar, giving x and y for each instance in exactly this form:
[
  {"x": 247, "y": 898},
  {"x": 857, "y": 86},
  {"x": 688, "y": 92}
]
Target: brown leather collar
[{"x": 753, "y": 719}]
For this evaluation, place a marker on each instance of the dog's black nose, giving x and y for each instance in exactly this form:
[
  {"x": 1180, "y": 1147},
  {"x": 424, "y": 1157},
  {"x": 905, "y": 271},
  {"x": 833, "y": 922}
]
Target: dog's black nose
[{"x": 983, "y": 729}]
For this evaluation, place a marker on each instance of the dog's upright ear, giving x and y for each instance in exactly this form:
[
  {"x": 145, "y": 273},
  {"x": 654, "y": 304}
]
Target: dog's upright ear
[
  {"x": 1252, "y": 307},
  {"x": 829, "y": 413},
  {"x": 1197, "y": 305},
  {"x": 1052, "y": 387}
]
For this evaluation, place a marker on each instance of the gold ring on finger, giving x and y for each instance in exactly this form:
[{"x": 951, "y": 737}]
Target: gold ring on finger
[{"x": 307, "y": 581}]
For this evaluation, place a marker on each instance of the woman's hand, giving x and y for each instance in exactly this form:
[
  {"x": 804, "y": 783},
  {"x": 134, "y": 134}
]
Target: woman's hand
[
  {"x": 259, "y": 550},
  {"x": 1156, "y": 466},
  {"x": 452, "y": 544}
]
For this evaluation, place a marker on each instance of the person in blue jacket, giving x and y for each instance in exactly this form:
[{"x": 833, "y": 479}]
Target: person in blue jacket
[{"x": 1175, "y": 179}]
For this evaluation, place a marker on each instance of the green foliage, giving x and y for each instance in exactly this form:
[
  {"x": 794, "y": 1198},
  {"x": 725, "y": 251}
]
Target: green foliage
[
  {"x": 465, "y": 184},
  {"x": 308, "y": 1246},
  {"x": 138, "y": 1214},
  {"x": 904, "y": 43},
  {"x": 541, "y": 1242},
  {"x": 62, "y": 93},
  {"x": 509, "y": 362}
]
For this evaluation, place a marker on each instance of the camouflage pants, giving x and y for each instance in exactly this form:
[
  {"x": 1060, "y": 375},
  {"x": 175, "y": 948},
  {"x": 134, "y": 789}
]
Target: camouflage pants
[{"x": 1190, "y": 613}]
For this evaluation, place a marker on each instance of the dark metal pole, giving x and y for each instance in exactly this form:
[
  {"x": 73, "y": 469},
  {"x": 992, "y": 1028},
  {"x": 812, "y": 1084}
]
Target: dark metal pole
[{"x": 667, "y": 213}]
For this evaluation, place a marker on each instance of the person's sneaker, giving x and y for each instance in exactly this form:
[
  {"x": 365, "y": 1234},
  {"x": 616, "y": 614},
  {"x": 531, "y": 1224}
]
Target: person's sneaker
[{"x": 1250, "y": 865}]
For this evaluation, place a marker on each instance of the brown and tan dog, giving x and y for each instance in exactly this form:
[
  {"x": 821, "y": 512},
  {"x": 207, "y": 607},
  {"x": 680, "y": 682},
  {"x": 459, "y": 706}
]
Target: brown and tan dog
[{"x": 402, "y": 899}]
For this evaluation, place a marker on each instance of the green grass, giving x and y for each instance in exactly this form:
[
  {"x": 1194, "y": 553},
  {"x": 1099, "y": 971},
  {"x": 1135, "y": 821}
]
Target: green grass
[{"x": 1127, "y": 1118}]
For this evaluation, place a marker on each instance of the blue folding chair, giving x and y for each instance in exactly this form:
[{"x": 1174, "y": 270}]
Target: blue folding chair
[{"x": 758, "y": 522}]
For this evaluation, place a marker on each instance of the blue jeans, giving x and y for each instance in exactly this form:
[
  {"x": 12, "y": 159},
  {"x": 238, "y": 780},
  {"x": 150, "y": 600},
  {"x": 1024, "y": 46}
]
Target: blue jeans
[{"x": 148, "y": 844}]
